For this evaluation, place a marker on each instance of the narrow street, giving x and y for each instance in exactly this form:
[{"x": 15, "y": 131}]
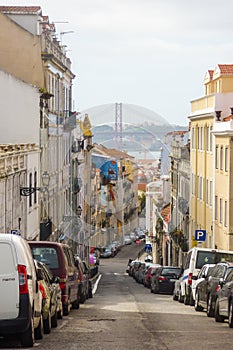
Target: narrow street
[{"x": 125, "y": 315}]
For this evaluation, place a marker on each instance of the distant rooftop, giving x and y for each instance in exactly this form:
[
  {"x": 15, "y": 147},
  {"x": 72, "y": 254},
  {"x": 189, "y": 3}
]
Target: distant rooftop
[{"x": 21, "y": 9}]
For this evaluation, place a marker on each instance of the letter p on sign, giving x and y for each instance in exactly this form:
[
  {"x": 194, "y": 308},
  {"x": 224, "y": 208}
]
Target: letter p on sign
[{"x": 200, "y": 235}]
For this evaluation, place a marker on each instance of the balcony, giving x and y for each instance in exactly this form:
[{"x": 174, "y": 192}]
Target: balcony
[{"x": 211, "y": 103}]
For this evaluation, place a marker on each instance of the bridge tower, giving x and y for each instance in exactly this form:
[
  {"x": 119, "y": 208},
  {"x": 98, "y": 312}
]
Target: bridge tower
[{"x": 118, "y": 126}]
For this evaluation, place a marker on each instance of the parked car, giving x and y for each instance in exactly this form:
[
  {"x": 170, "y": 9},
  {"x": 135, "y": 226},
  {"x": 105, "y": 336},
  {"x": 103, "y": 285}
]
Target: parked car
[
  {"x": 107, "y": 252},
  {"x": 51, "y": 294},
  {"x": 117, "y": 244},
  {"x": 206, "y": 290},
  {"x": 21, "y": 300},
  {"x": 87, "y": 272},
  {"x": 199, "y": 278},
  {"x": 59, "y": 258},
  {"x": 141, "y": 271},
  {"x": 132, "y": 236},
  {"x": 82, "y": 280},
  {"x": 135, "y": 268},
  {"x": 177, "y": 290},
  {"x": 163, "y": 281},
  {"x": 127, "y": 240},
  {"x": 151, "y": 269},
  {"x": 130, "y": 266},
  {"x": 224, "y": 300},
  {"x": 196, "y": 258},
  {"x": 114, "y": 248}
]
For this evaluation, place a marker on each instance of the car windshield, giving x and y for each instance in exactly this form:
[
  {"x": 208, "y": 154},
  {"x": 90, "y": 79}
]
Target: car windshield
[
  {"x": 47, "y": 256},
  {"x": 212, "y": 257},
  {"x": 171, "y": 271}
]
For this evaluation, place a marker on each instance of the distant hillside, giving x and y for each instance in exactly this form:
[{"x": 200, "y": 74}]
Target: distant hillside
[
  {"x": 131, "y": 114},
  {"x": 134, "y": 137},
  {"x": 141, "y": 127}
]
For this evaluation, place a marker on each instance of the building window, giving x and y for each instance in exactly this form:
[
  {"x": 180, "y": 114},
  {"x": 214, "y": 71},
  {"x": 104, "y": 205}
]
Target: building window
[
  {"x": 30, "y": 186},
  {"x": 226, "y": 159},
  {"x": 207, "y": 191},
  {"x": 211, "y": 138},
  {"x": 193, "y": 138},
  {"x": 216, "y": 157},
  {"x": 220, "y": 210},
  {"x": 221, "y": 158},
  {"x": 211, "y": 192},
  {"x": 35, "y": 185},
  {"x": 207, "y": 138},
  {"x": 201, "y": 188},
  {"x": 193, "y": 184},
  {"x": 200, "y": 138},
  {"x": 225, "y": 214},
  {"x": 216, "y": 207}
]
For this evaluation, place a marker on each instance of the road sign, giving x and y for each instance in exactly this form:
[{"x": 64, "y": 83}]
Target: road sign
[
  {"x": 148, "y": 248},
  {"x": 200, "y": 235},
  {"x": 16, "y": 232}
]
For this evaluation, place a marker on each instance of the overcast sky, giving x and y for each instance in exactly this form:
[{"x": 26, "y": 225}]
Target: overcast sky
[{"x": 152, "y": 53}]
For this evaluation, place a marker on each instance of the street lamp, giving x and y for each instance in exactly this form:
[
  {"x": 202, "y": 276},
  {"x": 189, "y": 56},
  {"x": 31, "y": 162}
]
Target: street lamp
[
  {"x": 28, "y": 191},
  {"x": 62, "y": 33}
]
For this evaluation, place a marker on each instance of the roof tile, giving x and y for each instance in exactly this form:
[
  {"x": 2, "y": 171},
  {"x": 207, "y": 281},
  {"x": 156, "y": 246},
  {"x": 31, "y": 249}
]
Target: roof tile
[{"x": 21, "y": 9}]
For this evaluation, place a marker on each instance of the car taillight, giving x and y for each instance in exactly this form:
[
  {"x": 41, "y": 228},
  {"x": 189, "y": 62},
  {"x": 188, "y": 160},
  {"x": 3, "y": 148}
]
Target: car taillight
[
  {"x": 80, "y": 277},
  {"x": 190, "y": 278},
  {"x": 23, "y": 281},
  {"x": 41, "y": 288},
  {"x": 162, "y": 279},
  {"x": 63, "y": 282},
  {"x": 218, "y": 287}
]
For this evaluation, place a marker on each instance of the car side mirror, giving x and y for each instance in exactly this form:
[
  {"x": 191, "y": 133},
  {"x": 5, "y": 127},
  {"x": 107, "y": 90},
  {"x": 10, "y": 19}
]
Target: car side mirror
[
  {"x": 56, "y": 279},
  {"x": 39, "y": 274},
  {"x": 221, "y": 282}
]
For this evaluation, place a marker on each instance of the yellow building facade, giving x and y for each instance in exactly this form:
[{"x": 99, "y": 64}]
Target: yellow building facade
[{"x": 210, "y": 160}]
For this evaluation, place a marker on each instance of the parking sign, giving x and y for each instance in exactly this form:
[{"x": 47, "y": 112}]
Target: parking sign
[{"x": 200, "y": 235}]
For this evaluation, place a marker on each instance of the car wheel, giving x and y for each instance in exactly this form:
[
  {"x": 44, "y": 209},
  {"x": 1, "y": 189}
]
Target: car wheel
[
  {"x": 60, "y": 314},
  {"x": 186, "y": 299},
  {"x": 218, "y": 318},
  {"x": 39, "y": 330},
  {"x": 175, "y": 297},
  {"x": 54, "y": 320},
  {"x": 90, "y": 295},
  {"x": 75, "y": 304},
  {"x": 47, "y": 324},
  {"x": 27, "y": 338},
  {"x": 230, "y": 315},
  {"x": 66, "y": 308},
  {"x": 180, "y": 297},
  {"x": 197, "y": 307},
  {"x": 209, "y": 310},
  {"x": 192, "y": 301}
]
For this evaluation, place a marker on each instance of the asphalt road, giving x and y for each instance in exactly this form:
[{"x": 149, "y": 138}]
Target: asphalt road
[{"x": 125, "y": 315}]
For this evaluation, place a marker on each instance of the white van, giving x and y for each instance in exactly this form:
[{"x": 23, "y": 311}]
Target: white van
[
  {"x": 20, "y": 298},
  {"x": 196, "y": 258}
]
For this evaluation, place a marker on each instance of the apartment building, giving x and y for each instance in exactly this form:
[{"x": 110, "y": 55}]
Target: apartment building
[
  {"x": 119, "y": 193},
  {"x": 19, "y": 156},
  {"x": 223, "y": 221},
  {"x": 44, "y": 64},
  {"x": 210, "y": 161}
]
